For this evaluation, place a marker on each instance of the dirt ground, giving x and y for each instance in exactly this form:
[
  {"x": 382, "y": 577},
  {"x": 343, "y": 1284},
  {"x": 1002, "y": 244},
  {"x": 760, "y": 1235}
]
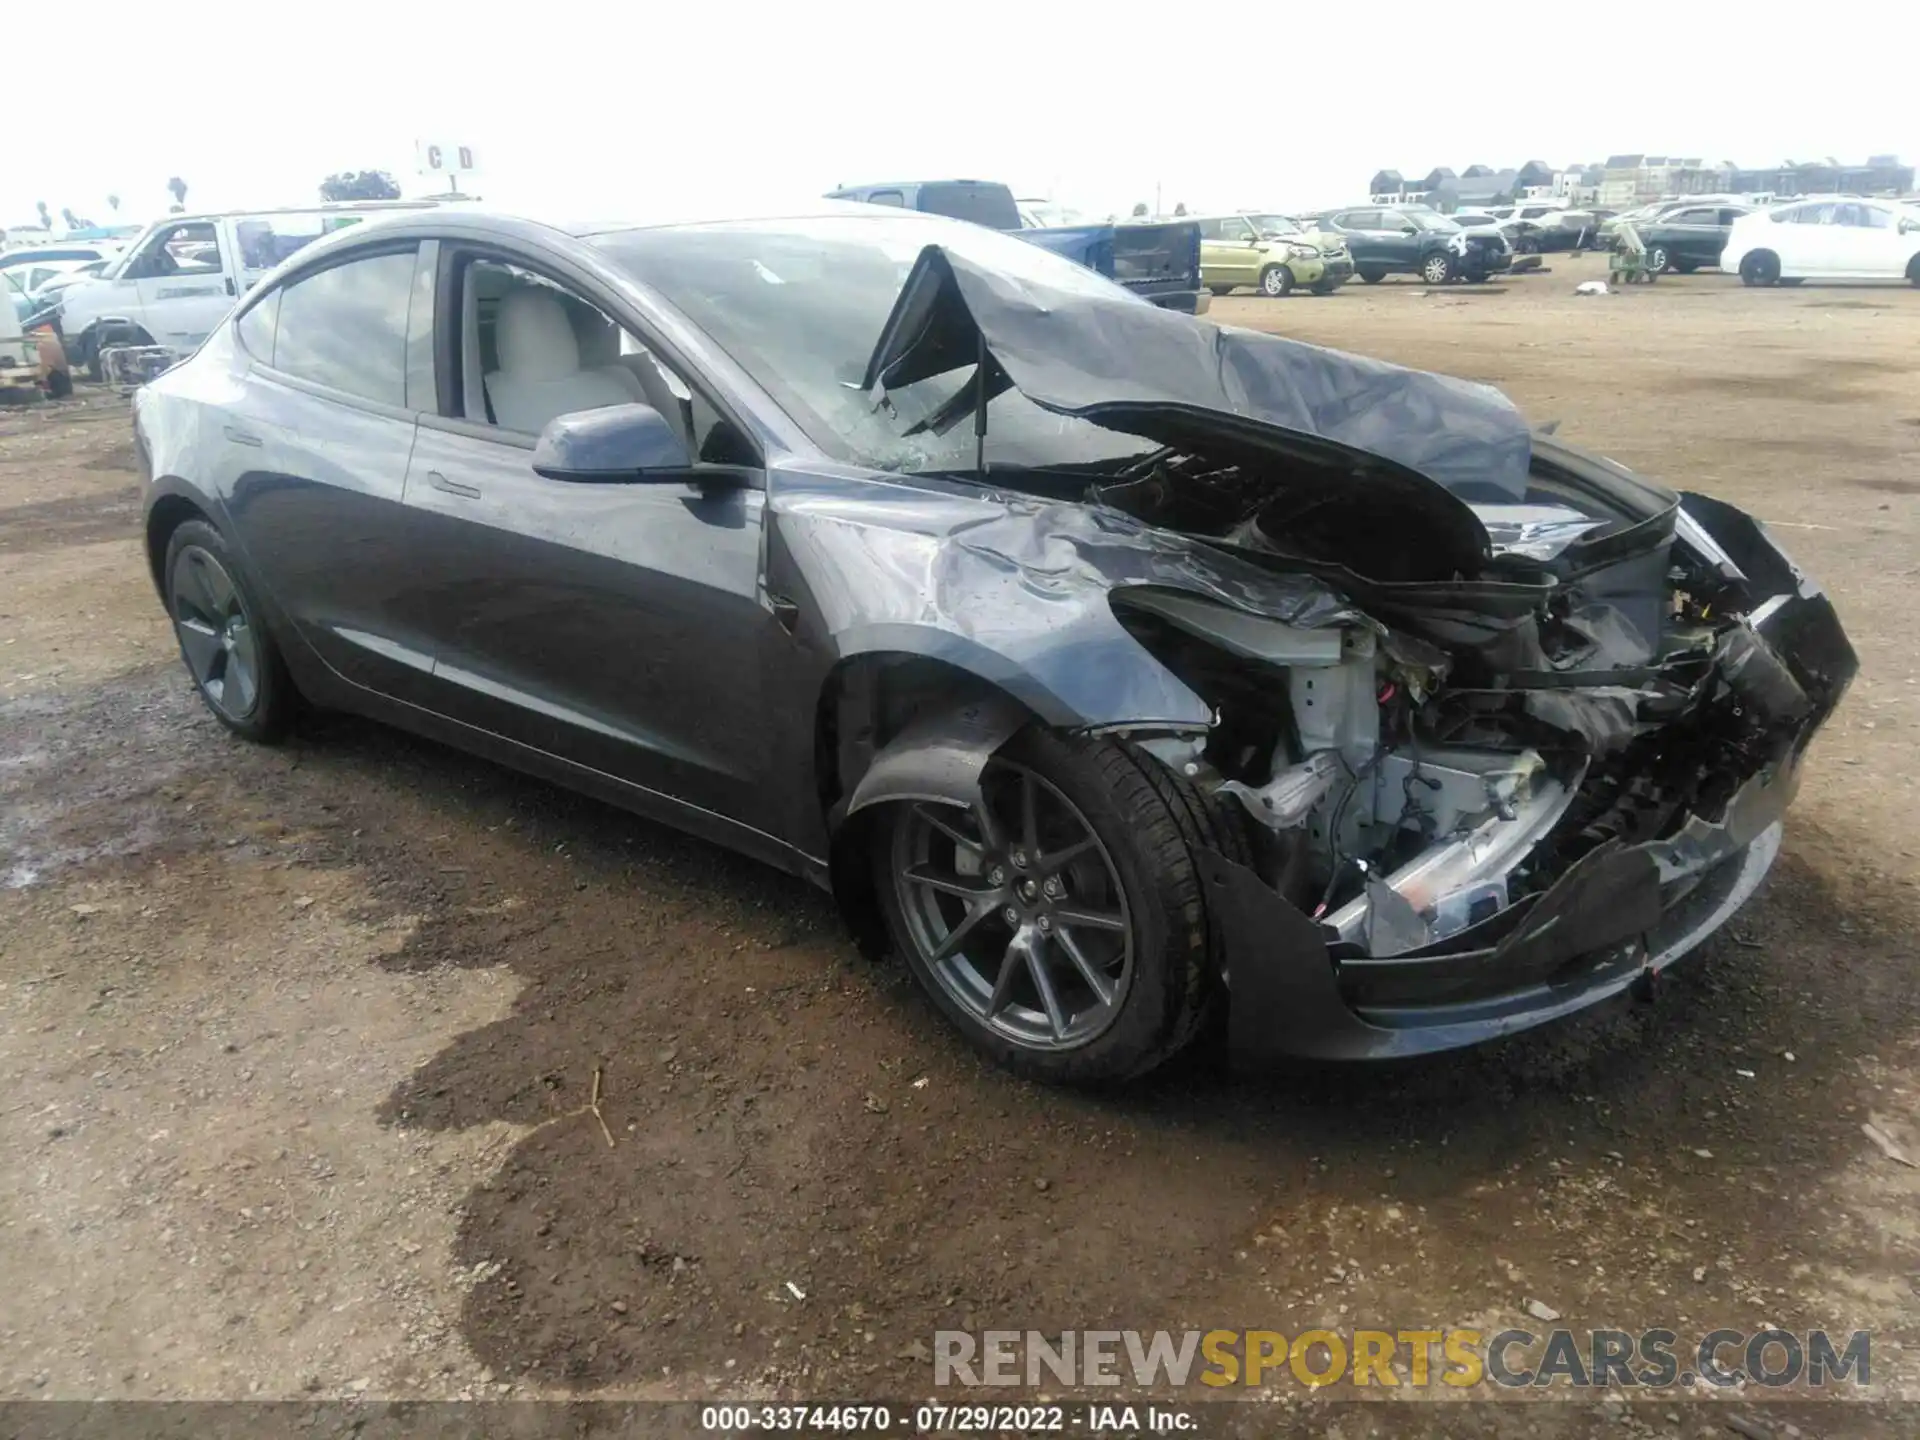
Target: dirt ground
[{"x": 295, "y": 1043}]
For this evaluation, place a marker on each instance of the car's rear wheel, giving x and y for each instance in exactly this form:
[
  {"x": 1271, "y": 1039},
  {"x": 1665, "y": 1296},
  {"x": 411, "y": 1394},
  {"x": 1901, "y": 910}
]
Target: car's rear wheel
[
  {"x": 1370, "y": 274},
  {"x": 1759, "y": 267},
  {"x": 1686, "y": 267},
  {"x": 1325, "y": 287},
  {"x": 1658, "y": 260},
  {"x": 233, "y": 660},
  {"x": 1913, "y": 271},
  {"x": 1220, "y": 289},
  {"x": 1060, "y": 923},
  {"x": 1276, "y": 281},
  {"x": 1437, "y": 268}
]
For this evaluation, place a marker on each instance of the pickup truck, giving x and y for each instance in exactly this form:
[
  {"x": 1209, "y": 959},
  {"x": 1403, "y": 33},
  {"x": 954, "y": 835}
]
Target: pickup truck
[{"x": 1158, "y": 261}]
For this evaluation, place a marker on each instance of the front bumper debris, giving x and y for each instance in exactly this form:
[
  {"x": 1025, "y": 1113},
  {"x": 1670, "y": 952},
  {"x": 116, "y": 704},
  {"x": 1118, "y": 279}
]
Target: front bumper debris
[{"x": 1618, "y": 916}]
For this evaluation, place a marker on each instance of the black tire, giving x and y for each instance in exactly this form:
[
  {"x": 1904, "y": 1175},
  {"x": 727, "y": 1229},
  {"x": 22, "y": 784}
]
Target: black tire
[
  {"x": 1913, "y": 271},
  {"x": 89, "y": 358},
  {"x": 1325, "y": 287},
  {"x": 1220, "y": 289},
  {"x": 1370, "y": 274},
  {"x": 1759, "y": 267},
  {"x": 1276, "y": 282},
  {"x": 1686, "y": 267},
  {"x": 212, "y": 611},
  {"x": 1437, "y": 268},
  {"x": 1148, "y": 822},
  {"x": 1659, "y": 261}
]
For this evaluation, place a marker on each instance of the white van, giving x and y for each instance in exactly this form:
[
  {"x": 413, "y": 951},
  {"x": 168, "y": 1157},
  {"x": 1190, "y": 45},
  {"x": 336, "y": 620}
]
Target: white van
[{"x": 181, "y": 275}]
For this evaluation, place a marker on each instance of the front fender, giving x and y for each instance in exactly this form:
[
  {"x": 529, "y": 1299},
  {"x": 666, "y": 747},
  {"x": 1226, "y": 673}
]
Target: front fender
[{"x": 1009, "y": 589}]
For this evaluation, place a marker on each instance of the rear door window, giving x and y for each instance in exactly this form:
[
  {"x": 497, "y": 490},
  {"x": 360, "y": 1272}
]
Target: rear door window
[
  {"x": 982, "y": 203},
  {"x": 346, "y": 327}
]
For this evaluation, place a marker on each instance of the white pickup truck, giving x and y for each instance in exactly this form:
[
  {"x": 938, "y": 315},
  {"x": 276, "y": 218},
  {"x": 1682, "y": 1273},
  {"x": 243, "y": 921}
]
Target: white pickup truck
[{"x": 176, "y": 280}]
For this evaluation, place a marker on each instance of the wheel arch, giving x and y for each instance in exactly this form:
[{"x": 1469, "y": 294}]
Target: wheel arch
[
  {"x": 166, "y": 514},
  {"x": 896, "y": 724}
]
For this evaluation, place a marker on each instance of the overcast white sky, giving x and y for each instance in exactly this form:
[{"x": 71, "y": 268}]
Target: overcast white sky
[{"x": 637, "y": 108}]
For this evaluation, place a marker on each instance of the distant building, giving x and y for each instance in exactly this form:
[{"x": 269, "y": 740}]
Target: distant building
[{"x": 1881, "y": 175}]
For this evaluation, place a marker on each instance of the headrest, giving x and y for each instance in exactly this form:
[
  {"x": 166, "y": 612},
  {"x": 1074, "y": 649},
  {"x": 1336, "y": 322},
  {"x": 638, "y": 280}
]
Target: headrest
[{"x": 533, "y": 336}]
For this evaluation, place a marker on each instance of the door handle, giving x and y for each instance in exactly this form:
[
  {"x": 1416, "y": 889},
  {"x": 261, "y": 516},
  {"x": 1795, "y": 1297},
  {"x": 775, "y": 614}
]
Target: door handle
[
  {"x": 241, "y": 437},
  {"x": 452, "y": 487}
]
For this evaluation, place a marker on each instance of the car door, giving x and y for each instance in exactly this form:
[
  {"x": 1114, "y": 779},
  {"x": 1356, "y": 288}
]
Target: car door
[
  {"x": 617, "y": 626},
  {"x": 1216, "y": 265},
  {"x": 1363, "y": 243},
  {"x": 183, "y": 283},
  {"x": 1242, "y": 249},
  {"x": 1692, "y": 237},
  {"x": 1861, "y": 236},
  {"x": 314, "y": 448},
  {"x": 1806, "y": 249},
  {"x": 1398, "y": 238}
]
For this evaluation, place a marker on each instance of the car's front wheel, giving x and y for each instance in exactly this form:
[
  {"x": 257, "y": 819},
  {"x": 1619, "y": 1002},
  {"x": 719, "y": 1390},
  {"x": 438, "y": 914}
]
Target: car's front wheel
[
  {"x": 1370, "y": 274},
  {"x": 233, "y": 660},
  {"x": 1276, "y": 281},
  {"x": 1437, "y": 268},
  {"x": 1220, "y": 289},
  {"x": 1658, "y": 260},
  {"x": 1060, "y": 922}
]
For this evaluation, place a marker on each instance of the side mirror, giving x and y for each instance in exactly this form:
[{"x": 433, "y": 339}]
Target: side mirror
[
  {"x": 618, "y": 444},
  {"x": 1409, "y": 229}
]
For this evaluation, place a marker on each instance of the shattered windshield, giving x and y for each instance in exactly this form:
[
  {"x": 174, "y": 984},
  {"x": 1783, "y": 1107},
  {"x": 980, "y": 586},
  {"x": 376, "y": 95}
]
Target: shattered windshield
[{"x": 799, "y": 305}]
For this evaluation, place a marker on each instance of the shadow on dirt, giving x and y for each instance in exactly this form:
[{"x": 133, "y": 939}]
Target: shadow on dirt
[{"x": 786, "y": 1117}]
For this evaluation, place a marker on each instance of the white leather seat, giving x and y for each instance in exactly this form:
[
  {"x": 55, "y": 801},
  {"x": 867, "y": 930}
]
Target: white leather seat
[{"x": 540, "y": 374}]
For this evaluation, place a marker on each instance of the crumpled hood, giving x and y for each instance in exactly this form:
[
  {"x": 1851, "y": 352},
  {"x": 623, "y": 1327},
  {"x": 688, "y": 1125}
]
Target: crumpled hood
[{"x": 1426, "y": 440}]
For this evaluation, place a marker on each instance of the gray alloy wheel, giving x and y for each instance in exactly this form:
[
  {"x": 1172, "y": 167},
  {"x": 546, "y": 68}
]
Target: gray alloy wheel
[
  {"x": 227, "y": 648},
  {"x": 1437, "y": 268},
  {"x": 1276, "y": 281},
  {"x": 1658, "y": 260},
  {"x": 217, "y": 638},
  {"x": 1016, "y": 910}
]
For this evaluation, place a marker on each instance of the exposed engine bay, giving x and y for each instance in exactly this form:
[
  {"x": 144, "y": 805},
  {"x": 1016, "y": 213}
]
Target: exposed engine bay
[
  {"x": 1601, "y": 680},
  {"x": 1492, "y": 707}
]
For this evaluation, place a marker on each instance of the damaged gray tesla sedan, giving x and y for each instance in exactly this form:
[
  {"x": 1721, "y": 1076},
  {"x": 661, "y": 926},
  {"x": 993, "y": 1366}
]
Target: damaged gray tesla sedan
[{"x": 1117, "y": 669}]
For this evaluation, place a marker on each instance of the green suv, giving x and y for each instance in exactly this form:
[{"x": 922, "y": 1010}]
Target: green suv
[{"x": 1271, "y": 253}]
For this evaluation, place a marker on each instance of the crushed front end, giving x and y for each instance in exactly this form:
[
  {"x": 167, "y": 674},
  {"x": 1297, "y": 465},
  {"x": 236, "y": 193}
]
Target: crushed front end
[
  {"x": 1528, "y": 742},
  {"x": 1467, "y": 822}
]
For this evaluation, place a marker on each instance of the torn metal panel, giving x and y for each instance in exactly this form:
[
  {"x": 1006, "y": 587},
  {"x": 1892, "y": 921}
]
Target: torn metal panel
[
  {"x": 1408, "y": 438},
  {"x": 1018, "y": 591}
]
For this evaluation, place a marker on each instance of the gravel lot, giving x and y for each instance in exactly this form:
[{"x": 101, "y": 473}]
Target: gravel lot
[{"x": 295, "y": 1044}]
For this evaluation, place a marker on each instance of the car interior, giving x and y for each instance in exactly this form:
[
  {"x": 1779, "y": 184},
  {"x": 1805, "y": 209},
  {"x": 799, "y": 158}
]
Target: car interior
[{"x": 532, "y": 351}]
